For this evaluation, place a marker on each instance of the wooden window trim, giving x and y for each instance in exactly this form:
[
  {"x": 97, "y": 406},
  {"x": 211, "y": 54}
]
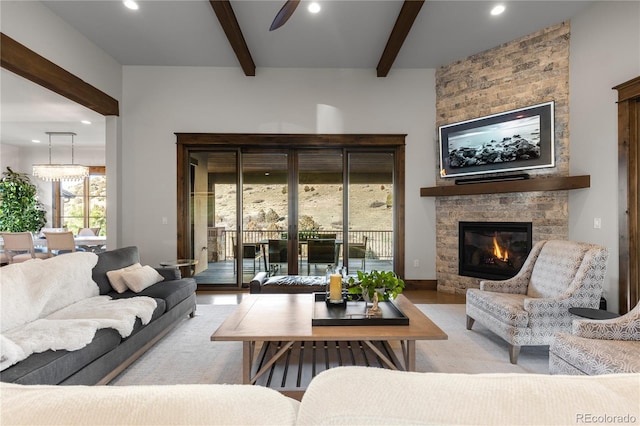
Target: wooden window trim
[
  {"x": 187, "y": 142},
  {"x": 57, "y": 193}
]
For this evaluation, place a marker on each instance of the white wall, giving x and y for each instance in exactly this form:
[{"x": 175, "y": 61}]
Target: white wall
[
  {"x": 35, "y": 26},
  {"x": 605, "y": 51},
  {"x": 159, "y": 101}
]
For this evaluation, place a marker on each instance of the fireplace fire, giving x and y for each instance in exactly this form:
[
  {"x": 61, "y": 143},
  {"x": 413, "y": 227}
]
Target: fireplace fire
[{"x": 493, "y": 250}]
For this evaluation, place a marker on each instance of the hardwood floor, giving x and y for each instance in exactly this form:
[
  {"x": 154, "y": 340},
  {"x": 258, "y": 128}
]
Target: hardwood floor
[
  {"x": 416, "y": 296},
  {"x": 433, "y": 296}
]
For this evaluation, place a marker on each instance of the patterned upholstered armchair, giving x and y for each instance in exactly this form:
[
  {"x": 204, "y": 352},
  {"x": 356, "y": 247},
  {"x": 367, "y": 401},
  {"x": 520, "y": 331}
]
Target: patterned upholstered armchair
[
  {"x": 598, "y": 346},
  {"x": 528, "y": 309}
]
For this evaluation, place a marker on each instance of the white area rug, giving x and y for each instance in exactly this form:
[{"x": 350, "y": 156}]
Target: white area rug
[
  {"x": 186, "y": 354},
  {"x": 475, "y": 351}
]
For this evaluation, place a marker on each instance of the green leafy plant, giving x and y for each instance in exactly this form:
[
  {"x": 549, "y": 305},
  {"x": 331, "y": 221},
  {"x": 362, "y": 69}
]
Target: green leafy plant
[
  {"x": 20, "y": 209},
  {"x": 386, "y": 283}
]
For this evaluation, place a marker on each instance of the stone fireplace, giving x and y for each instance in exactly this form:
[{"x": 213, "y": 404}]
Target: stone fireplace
[
  {"x": 492, "y": 250},
  {"x": 527, "y": 71}
]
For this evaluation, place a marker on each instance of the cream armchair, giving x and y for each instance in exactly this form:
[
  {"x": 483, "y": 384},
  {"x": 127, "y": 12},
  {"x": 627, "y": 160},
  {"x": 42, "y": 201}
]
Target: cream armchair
[
  {"x": 598, "y": 347},
  {"x": 528, "y": 309}
]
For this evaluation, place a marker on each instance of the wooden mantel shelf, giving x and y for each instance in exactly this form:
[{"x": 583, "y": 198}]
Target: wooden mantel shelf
[{"x": 526, "y": 185}]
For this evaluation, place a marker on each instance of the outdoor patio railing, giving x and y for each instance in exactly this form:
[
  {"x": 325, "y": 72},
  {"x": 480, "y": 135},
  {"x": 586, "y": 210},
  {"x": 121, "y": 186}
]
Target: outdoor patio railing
[{"x": 379, "y": 243}]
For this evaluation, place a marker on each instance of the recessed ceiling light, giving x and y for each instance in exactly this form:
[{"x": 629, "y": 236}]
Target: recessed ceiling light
[
  {"x": 35, "y": 140},
  {"x": 497, "y": 10},
  {"x": 314, "y": 7},
  {"x": 131, "y": 4},
  {"x": 85, "y": 122}
]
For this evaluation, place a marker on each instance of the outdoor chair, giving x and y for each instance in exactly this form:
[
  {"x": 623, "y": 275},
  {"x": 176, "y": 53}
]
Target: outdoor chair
[
  {"x": 531, "y": 307},
  {"x": 321, "y": 251},
  {"x": 278, "y": 255},
  {"x": 249, "y": 251},
  {"x": 18, "y": 247},
  {"x": 252, "y": 251},
  {"x": 359, "y": 251}
]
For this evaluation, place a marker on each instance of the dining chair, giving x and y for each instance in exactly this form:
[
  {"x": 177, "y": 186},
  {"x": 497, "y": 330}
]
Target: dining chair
[
  {"x": 60, "y": 243},
  {"x": 359, "y": 251},
  {"x": 92, "y": 247},
  {"x": 43, "y": 230},
  {"x": 18, "y": 247},
  {"x": 89, "y": 232},
  {"x": 320, "y": 251}
]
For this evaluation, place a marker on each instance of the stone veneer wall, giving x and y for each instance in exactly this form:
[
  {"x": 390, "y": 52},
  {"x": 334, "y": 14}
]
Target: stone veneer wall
[{"x": 528, "y": 71}]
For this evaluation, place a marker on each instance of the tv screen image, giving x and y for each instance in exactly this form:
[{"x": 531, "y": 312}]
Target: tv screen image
[{"x": 515, "y": 140}]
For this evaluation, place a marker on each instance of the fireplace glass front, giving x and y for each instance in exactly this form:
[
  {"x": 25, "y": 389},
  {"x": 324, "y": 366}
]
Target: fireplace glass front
[{"x": 493, "y": 250}]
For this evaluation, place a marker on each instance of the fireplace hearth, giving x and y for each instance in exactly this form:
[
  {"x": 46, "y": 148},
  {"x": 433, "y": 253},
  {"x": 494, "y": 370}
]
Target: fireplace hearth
[{"x": 493, "y": 250}]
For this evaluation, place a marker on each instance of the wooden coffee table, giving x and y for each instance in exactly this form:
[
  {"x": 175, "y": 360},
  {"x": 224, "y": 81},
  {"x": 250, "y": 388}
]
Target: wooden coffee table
[{"x": 282, "y": 350}]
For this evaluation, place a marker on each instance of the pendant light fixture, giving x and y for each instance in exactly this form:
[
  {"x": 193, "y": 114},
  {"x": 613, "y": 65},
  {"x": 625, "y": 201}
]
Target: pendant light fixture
[{"x": 60, "y": 172}]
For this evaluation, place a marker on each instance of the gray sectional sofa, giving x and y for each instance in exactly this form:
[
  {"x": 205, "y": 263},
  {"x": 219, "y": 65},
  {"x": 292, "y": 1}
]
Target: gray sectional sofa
[{"x": 108, "y": 353}]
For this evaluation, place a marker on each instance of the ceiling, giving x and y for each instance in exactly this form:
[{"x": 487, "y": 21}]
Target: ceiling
[
  {"x": 29, "y": 110},
  {"x": 345, "y": 34}
]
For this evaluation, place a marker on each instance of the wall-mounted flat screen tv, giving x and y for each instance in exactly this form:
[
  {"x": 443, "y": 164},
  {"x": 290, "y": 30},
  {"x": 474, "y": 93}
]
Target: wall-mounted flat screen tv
[{"x": 515, "y": 140}]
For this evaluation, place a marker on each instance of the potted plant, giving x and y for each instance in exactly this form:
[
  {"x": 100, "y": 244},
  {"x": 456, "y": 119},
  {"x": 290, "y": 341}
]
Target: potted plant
[
  {"x": 386, "y": 283},
  {"x": 20, "y": 209}
]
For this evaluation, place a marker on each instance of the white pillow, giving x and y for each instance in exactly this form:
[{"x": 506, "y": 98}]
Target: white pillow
[
  {"x": 115, "y": 277},
  {"x": 141, "y": 278}
]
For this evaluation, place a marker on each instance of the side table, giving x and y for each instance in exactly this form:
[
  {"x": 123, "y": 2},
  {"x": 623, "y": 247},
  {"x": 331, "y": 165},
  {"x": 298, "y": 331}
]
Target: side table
[
  {"x": 596, "y": 314},
  {"x": 182, "y": 264}
]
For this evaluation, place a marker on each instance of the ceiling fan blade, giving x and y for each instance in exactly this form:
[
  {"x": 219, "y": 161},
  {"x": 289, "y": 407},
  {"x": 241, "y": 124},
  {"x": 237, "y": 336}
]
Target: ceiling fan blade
[{"x": 284, "y": 14}]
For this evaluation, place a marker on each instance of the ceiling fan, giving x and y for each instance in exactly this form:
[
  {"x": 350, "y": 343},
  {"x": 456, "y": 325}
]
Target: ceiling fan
[{"x": 284, "y": 14}]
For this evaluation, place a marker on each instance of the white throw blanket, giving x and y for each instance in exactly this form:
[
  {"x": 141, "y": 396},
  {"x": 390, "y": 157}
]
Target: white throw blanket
[{"x": 54, "y": 304}]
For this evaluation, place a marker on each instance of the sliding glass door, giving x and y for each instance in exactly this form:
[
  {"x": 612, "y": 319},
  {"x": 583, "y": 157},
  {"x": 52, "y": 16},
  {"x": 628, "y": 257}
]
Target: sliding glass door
[
  {"x": 213, "y": 215},
  {"x": 288, "y": 208},
  {"x": 265, "y": 212},
  {"x": 371, "y": 200},
  {"x": 320, "y": 209}
]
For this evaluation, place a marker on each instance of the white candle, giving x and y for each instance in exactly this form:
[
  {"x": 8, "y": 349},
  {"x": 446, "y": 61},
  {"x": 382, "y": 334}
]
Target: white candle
[{"x": 335, "y": 287}]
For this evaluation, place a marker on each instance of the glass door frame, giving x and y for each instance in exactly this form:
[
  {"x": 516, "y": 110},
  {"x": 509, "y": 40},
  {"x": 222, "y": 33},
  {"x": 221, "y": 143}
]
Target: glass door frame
[{"x": 198, "y": 142}]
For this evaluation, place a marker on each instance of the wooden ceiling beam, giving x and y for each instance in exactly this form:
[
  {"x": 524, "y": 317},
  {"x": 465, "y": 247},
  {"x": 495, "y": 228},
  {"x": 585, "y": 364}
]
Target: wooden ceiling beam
[
  {"x": 229, "y": 23},
  {"x": 28, "y": 64},
  {"x": 408, "y": 14}
]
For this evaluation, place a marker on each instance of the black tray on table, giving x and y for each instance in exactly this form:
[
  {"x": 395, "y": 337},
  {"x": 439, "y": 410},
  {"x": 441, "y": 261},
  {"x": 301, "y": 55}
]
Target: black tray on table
[{"x": 354, "y": 313}]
